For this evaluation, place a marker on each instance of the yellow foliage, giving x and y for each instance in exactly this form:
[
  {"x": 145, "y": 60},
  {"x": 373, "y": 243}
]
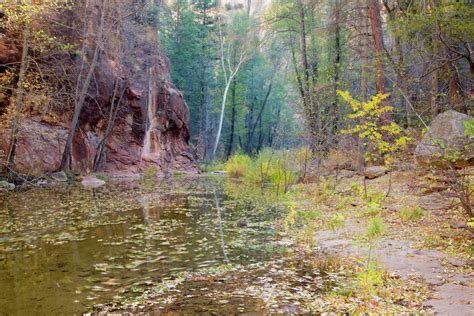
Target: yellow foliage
[
  {"x": 383, "y": 138},
  {"x": 238, "y": 165},
  {"x": 290, "y": 219},
  {"x": 18, "y": 14}
]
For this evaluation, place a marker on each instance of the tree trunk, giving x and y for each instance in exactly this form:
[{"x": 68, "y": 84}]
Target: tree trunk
[
  {"x": 115, "y": 106},
  {"x": 232, "y": 122},
  {"x": 377, "y": 35},
  {"x": 259, "y": 116},
  {"x": 229, "y": 72},
  {"x": 399, "y": 68},
  {"x": 250, "y": 124},
  {"x": 65, "y": 161},
  {"x": 434, "y": 94},
  {"x": 434, "y": 74},
  {"x": 19, "y": 97},
  {"x": 364, "y": 71},
  {"x": 337, "y": 61},
  {"x": 306, "y": 87},
  {"x": 221, "y": 119},
  {"x": 364, "y": 85},
  {"x": 456, "y": 95},
  {"x": 260, "y": 135},
  {"x": 402, "y": 81},
  {"x": 273, "y": 128}
]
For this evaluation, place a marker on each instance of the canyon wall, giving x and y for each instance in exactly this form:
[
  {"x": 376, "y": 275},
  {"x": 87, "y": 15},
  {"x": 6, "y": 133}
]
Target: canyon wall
[{"x": 152, "y": 124}]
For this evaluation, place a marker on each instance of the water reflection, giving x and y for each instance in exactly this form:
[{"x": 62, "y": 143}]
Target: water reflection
[
  {"x": 62, "y": 252},
  {"x": 221, "y": 230}
]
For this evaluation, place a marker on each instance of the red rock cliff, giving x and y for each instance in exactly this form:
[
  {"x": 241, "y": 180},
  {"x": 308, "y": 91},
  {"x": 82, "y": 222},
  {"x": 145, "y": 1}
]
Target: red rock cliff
[{"x": 152, "y": 125}]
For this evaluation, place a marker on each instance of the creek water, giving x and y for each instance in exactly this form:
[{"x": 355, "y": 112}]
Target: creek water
[{"x": 63, "y": 250}]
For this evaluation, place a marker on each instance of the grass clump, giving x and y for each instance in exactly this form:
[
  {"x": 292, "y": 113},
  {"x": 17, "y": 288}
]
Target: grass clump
[
  {"x": 308, "y": 216},
  {"x": 212, "y": 166},
  {"x": 269, "y": 169},
  {"x": 102, "y": 177},
  {"x": 336, "y": 221},
  {"x": 375, "y": 228},
  {"x": 371, "y": 209},
  {"x": 411, "y": 214},
  {"x": 238, "y": 165}
]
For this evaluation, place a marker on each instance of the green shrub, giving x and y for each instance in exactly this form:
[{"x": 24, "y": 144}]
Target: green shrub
[
  {"x": 337, "y": 221},
  {"x": 375, "y": 228},
  {"x": 411, "y": 214},
  {"x": 278, "y": 170},
  {"x": 238, "y": 165},
  {"x": 371, "y": 209},
  {"x": 261, "y": 168},
  {"x": 307, "y": 216},
  {"x": 370, "y": 279},
  {"x": 274, "y": 168},
  {"x": 214, "y": 165}
]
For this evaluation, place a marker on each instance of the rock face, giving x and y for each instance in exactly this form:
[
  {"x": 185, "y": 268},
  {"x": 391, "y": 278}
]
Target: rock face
[
  {"x": 59, "y": 176},
  {"x": 375, "y": 172},
  {"x": 448, "y": 129},
  {"x": 152, "y": 125},
  {"x": 92, "y": 182},
  {"x": 9, "y": 52},
  {"x": 6, "y": 186},
  {"x": 437, "y": 201}
]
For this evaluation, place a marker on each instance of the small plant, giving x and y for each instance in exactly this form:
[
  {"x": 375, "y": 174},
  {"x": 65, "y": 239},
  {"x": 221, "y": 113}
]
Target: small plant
[
  {"x": 290, "y": 219},
  {"x": 308, "y": 216},
  {"x": 371, "y": 277},
  {"x": 343, "y": 202},
  {"x": 470, "y": 223},
  {"x": 273, "y": 169},
  {"x": 148, "y": 177},
  {"x": 372, "y": 209},
  {"x": 411, "y": 214},
  {"x": 375, "y": 229},
  {"x": 380, "y": 137},
  {"x": 450, "y": 159},
  {"x": 304, "y": 156},
  {"x": 337, "y": 221},
  {"x": 357, "y": 189},
  {"x": 306, "y": 236}
]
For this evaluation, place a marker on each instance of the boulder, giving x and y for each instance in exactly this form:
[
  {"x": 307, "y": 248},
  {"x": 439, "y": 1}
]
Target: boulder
[
  {"x": 346, "y": 173},
  {"x": 375, "y": 172},
  {"x": 446, "y": 130},
  {"x": 6, "y": 186},
  {"x": 92, "y": 182},
  {"x": 59, "y": 176},
  {"x": 437, "y": 201}
]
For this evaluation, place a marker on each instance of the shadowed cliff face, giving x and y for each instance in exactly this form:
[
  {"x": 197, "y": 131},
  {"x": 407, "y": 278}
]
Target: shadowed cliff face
[{"x": 152, "y": 124}]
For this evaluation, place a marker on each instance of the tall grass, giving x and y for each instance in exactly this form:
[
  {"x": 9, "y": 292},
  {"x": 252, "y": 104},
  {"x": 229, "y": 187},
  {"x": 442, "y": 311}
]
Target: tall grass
[
  {"x": 270, "y": 169},
  {"x": 238, "y": 165}
]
